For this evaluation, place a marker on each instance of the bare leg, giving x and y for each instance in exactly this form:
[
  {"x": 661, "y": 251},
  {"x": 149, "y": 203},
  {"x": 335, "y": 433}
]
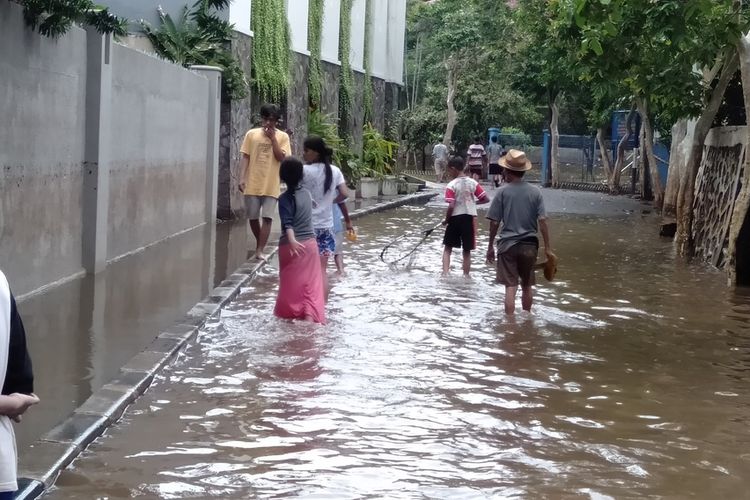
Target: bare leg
[
  {"x": 324, "y": 270},
  {"x": 446, "y": 260},
  {"x": 265, "y": 232},
  {"x": 510, "y": 299},
  {"x": 467, "y": 263},
  {"x": 338, "y": 259},
  {"x": 527, "y": 295},
  {"x": 255, "y": 228}
]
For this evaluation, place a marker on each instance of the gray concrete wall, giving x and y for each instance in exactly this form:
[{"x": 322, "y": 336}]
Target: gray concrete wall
[
  {"x": 329, "y": 102},
  {"x": 378, "y": 104},
  {"x": 74, "y": 137},
  {"x": 298, "y": 102},
  {"x": 135, "y": 10},
  {"x": 42, "y": 98},
  {"x": 158, "y": 153}
]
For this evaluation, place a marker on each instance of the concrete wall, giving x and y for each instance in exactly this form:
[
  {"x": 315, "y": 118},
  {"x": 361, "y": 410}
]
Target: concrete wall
[
  {"x": 77, "y": 109},
  {"x": 329, "y": 102},
  {"x": 42, "y": 95},
  {"x": 158, "y": 160}
]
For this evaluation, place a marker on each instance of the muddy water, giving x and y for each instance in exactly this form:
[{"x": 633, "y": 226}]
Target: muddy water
[{"x": 628, "y": 380}]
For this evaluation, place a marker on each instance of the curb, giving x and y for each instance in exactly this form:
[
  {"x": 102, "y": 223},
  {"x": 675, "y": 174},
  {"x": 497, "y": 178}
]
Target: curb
[{"x": 56, "y": 449}]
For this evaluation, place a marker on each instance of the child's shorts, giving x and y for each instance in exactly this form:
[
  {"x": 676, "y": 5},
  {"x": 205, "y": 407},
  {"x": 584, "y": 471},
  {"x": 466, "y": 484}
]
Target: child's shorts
[
  {"x": 460, "y": 232},
  {"x": 326, "y": 242}
]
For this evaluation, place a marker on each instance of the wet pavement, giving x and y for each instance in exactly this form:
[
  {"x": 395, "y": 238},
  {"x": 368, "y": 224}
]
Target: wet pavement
[{"x": 628, "y": 380}]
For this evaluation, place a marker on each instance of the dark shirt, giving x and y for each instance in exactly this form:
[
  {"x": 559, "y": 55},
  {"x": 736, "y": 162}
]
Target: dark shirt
[
  {"x": 19, "y": 376},
  {"x": 295, "y": 211}
]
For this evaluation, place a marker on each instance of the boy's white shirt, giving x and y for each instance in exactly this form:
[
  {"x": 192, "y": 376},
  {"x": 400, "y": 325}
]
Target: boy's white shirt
[
  {"x": 464, "y": 188},
  {"x": 8, "y": 457}
]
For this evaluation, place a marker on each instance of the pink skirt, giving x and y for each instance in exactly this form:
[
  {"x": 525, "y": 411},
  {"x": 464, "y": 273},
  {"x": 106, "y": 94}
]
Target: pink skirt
[{"x": 300, "y": 284}]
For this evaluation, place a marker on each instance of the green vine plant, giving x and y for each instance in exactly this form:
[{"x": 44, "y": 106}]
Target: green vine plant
[
  {"x": 199, "y": 37},
  {"x": 271, "y": 49},
  {"x": 368, "y": 91},
  {"x": 346, "y": 79},
  {"x": 378, "y": 153},
  {"x": 314, "y": 40},
  {"x": 53, "y": 18}
]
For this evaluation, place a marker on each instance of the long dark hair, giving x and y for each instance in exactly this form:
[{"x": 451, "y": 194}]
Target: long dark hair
[
  {"x": 290, "y": 171},
  {"x": 317, "y": 144}
]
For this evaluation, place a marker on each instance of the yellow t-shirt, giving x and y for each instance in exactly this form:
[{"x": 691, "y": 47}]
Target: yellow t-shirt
[{"x": 263, "y": 170}]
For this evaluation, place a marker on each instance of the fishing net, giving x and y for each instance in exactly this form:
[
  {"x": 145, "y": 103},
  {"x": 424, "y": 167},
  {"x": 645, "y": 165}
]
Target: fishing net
[{"x": 403, "y": 250}]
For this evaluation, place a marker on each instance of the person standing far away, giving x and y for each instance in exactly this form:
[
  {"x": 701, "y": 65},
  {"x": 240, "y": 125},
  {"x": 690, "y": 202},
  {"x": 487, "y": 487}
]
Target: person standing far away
[
  {"x": 462, "y": 195},
  {"x": 262, "y": 151},
  {"x": 300, "y": 280},
  {"x": 494, "y": 153},
  {"x": 17, "y": 382},
  {"x": 519, "y": 206},
  {"x": 327, "y": 185},
  {"x": 440, "y": 160},
  {"x": 477, "y": 157}
]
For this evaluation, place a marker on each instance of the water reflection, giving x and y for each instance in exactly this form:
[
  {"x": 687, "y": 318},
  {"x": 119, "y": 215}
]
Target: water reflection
[{"x": 628, "y": 380}]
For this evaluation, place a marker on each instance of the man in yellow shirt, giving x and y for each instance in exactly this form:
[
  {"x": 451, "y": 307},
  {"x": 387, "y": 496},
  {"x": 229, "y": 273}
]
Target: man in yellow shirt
[{"x": 262, "y": 151}]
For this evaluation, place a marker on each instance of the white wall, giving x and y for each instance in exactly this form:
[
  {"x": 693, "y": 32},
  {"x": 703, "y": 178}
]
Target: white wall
[
  {"x": 296, "y": 14},
  {"x": 357, "y": 39},
  {"x": 239, "y": 15},
  {"x": 329, "y": 45},
  {"x": 379, "y": 46},
  {"x": 396, "y": 34}
]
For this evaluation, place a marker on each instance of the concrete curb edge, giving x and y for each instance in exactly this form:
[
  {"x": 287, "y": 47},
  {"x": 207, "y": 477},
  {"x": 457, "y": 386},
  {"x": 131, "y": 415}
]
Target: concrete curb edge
[{"x": 56, "y": 449}]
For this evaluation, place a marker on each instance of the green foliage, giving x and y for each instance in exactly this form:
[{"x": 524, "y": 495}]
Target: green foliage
[
  {"x": 378, "y": 153},
  {"x": 53, "y": 18},
  {"x": 314, "y": 39},
  {"x": 271, "y": 49},
  {"x": 346, "y": 79},
  {"x": 199, "y": 37},
  {"x": 515, "y": 137}
]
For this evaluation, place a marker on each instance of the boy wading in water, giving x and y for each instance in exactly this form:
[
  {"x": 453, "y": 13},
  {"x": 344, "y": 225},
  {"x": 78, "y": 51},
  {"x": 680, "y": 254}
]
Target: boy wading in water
[
  {"x": 462, "y": 195},
  {"x": 519, "y": 206}
]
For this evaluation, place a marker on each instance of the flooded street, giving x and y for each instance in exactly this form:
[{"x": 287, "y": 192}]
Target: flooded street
[{"x": 628, "y": 380}]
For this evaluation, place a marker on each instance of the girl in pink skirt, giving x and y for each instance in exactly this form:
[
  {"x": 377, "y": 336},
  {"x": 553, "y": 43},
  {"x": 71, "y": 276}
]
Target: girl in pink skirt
[{"x": 301, "y": 293}]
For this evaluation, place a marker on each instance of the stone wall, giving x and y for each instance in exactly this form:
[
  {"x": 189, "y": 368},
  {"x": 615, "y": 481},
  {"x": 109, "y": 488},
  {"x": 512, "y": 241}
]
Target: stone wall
[
  {"x": 330, "y": 94},
  {"x": 298, "y": 102},
  {"x": 378, "y": 104}
]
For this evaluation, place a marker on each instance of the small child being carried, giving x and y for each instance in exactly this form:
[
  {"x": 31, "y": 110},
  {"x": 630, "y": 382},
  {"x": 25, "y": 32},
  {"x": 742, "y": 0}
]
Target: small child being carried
[{"x": 462, "y": 194}]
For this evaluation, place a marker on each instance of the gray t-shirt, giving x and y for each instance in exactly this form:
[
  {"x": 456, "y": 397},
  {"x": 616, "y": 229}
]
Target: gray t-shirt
[
  {"x": 519, "y": 206},
  {"x": 295, "y": 211},
  {"x": 494, "y": 152}
]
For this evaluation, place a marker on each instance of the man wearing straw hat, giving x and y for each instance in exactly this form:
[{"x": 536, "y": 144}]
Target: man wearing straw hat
[{"x": 519, "y": 206}]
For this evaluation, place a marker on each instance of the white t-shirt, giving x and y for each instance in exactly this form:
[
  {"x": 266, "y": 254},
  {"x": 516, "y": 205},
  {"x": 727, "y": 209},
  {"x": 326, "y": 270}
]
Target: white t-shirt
[
  {"x": 8, "y": 456},
  {"x": 463, "y": 192},
  {"x": 313, "y": 180}
]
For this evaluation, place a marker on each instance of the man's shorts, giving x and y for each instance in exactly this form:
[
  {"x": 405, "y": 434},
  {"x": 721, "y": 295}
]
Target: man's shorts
[
  {"x": 495, "y": 169},
  {"x": 475, "y": 169},
  {"x": 459, "y": 233},
  {"x": 326, "y": 242},
  {"x": 255, "y": 205},
  {"x": 440, "y": 167},
  {"x": 517, "y": 264}
]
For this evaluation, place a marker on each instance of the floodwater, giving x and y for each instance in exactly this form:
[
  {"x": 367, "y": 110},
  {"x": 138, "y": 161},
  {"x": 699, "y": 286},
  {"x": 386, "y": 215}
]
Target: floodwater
[{"x": 628, "y": 380}]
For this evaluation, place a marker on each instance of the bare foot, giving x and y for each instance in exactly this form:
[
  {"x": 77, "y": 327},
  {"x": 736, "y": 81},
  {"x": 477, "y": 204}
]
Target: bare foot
[{"x": 260, "y": 255}]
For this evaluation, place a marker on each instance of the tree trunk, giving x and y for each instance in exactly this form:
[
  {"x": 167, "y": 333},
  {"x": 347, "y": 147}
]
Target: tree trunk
[
  {"x": 604, "y": 151},
  {"x": 681, "y": 134},
  {"x": 686, "y": 193},
  {"x": 452, "y": 116},
  {"x": 555, "y": 141},
  {"x": 614, "y": 181},
  {"x": 651, "y": 167},
  {"x": 742, "y": 203}
]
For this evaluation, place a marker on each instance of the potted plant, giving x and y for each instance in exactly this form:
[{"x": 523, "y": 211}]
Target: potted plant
[{"x": 378, "y": 158}]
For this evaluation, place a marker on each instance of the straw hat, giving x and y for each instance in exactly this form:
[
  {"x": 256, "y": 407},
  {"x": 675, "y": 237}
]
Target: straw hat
[
  {"x": 550, "y": 267},
  {"x": 515, "y": 160}
]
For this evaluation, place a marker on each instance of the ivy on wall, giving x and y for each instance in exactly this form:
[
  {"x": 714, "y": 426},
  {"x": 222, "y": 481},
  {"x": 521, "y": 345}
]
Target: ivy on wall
[
  {"x": 271, "y": 49},
  {"x": 368, "y": 97},
  {"x": 314, "y": 40},
  {"x": 346, "y": 80}
]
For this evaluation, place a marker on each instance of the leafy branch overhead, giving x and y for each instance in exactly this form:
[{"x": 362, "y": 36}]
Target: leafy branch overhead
[
  {"x": 199, "y": 37},
  {"x": 53, "y": 18}
]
